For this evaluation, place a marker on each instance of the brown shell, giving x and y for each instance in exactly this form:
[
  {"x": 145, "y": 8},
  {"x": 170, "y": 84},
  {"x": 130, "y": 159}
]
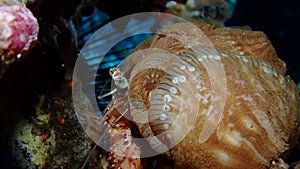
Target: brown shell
[{"x": 261, "y": 110}]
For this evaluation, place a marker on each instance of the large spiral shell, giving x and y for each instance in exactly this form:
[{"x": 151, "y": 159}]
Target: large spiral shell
[{"x": 231, "y": 106}]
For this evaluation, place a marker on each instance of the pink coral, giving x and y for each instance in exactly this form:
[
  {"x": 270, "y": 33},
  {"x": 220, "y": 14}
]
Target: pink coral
[{"x": 18, "y": 31}]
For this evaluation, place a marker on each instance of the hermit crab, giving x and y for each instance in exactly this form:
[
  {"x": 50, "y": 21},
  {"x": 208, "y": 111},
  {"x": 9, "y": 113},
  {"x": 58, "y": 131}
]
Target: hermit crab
[{"x": 214, "y": 98}]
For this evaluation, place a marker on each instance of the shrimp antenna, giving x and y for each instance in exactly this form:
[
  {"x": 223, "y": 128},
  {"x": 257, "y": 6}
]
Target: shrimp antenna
[{"x": 108, "y": 94}]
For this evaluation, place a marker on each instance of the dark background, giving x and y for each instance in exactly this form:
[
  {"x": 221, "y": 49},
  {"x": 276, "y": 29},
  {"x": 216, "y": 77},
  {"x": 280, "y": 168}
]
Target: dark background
[{"x": 280, "y": 21}]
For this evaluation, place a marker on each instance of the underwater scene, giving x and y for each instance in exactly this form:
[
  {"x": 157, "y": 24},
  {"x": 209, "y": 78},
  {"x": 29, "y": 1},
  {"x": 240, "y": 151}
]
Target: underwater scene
[{"x": 149, "y": 84}]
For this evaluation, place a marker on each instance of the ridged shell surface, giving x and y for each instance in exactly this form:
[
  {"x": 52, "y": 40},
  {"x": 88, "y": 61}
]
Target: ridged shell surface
[{"x": 229, "y": 105}]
